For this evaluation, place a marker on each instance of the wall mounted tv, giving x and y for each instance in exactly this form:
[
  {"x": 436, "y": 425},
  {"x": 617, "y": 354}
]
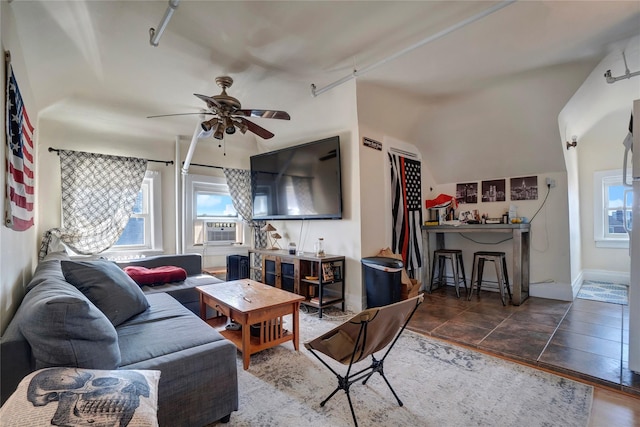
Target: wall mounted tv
[{"x": 299, "y": 182}]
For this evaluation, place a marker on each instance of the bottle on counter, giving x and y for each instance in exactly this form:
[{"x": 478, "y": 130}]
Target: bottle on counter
[{"x": 319, "y": 247}]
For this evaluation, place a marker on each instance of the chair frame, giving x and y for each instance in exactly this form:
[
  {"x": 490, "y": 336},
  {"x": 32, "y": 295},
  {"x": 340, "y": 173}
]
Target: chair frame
[{"x": 377, "y": 365}]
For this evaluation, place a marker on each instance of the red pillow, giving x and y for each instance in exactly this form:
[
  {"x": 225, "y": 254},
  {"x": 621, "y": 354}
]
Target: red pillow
[{"x": 157, "y": 275}]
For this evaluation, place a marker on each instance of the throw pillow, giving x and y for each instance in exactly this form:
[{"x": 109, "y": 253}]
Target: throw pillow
[
  {"x": 156, "y": 276},
  {"x": 74, "y": 396},
  {"x": 64, "y": 328},
  {"x": 108, "y": 287}
]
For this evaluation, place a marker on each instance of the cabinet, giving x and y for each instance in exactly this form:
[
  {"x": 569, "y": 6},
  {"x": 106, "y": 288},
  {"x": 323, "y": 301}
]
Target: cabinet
[{"x": 320, "y": 280}]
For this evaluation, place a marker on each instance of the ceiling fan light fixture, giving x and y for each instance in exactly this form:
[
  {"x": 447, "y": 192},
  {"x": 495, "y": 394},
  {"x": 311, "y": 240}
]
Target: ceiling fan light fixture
[
  {"x": 241, "y": 126},
  {"x": 219, "y": 133},
  {"x": 208, "y": 125}
]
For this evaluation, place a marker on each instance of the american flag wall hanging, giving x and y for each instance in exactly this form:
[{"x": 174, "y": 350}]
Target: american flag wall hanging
[
  {"x": 19, "y": 191},
  {"x": 406, "y": 205}
]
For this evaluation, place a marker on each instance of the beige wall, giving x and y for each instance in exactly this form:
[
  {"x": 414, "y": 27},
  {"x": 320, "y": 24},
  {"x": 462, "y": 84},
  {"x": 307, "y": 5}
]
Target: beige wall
[
  {"x": 598, "y": 114},
  {"x": 550, "y": 273},
  {"x": 17, "y": 249},
  {"x": 332, "y": 113}
]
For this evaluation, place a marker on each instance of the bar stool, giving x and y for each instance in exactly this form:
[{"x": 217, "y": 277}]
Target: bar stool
[
  {"x": 440, "y": 257},
  {"x": 500, "y": 262}
]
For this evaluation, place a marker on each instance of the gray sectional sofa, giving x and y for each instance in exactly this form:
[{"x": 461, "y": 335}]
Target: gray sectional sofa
[{"x": 74, "y": 315}]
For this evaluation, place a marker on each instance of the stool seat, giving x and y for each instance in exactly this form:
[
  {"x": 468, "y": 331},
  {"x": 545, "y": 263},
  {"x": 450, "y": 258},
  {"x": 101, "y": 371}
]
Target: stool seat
[
  {"x": 500, "y": 262},
  {"x": 454, "y": 256}
]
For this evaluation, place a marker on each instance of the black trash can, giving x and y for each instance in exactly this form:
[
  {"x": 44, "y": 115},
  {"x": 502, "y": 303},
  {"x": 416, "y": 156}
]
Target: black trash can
[{"x": 382, "y": 279}]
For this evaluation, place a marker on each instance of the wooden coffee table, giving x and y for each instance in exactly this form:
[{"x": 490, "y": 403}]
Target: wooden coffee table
[{"x": 248, "y": 303}]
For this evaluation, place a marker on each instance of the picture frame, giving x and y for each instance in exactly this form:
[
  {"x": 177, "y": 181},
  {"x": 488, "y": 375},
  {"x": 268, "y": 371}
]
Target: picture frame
[
  {"x": 467, "y": 192},
  {"x": 327, "y": 272},
  {"x": 493, "y": 190},
  {"x": 524, "y": 188}
]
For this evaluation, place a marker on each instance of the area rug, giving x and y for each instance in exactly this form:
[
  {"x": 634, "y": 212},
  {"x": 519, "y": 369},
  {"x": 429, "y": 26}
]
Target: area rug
[
  {"x": 596, "y": 290},
  {"x": 439, "y": 384}
]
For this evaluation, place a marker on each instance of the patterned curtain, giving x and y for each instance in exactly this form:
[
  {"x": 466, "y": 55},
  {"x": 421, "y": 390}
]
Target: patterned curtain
[
  {"x": 239, "y": 183},
  {"x": 98, "y": 194},
  {"x": 406, "y": 205}
]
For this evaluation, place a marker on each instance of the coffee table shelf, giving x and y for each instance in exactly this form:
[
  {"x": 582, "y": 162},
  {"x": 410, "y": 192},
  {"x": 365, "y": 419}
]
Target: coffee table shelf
[{"x": 256, "y": 346}]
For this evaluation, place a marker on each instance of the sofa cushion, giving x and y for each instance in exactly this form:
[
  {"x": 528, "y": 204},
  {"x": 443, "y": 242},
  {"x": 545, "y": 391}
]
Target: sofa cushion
[
  {"x": 157, "y": 275},
  {"x": 145, "y": 336},
  {"x": 64, "y": 328},
  {"x": 73, "y": 396},
  {"x": 108, "y": 287}
]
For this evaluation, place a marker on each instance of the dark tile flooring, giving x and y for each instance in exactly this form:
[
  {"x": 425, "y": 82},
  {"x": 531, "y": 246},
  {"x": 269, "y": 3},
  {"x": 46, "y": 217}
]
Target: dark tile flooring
[{"x": 584, "y": 339}]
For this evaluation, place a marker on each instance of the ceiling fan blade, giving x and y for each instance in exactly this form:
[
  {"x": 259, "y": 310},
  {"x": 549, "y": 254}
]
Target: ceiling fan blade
[
  {"x": 179, "y": 114},
  {"x": 265, "y": 114},
  {"x": 258, "y": 130},
  {"x": 211, "y": 102}
]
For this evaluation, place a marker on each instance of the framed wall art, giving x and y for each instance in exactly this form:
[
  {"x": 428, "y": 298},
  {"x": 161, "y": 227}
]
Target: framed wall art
[
  {"x": 467, "y": 192},
  {"x": 493, "y": 191},
  {"x": 524, "y": 188}
]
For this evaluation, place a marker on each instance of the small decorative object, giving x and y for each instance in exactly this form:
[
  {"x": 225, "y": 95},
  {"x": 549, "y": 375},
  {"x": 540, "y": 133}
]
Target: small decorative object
[
  {"x": 319, "y": 247},
  {"x": 327, "y": 272},
  {"x": 273, "y": 237},
  {"x": 292, "y": 248}
]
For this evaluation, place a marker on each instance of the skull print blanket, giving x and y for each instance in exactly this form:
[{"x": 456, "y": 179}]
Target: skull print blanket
[{"x": 84, "y": 397}]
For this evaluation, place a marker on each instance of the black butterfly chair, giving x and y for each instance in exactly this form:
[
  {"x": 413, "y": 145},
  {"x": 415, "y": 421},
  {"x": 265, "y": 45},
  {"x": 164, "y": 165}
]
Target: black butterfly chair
[{"x": 364, "y": 334}]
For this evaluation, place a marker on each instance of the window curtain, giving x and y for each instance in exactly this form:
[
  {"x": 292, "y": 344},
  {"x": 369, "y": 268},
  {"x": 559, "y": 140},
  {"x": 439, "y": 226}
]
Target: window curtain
[
  {"x": 406, "y": 205},
  {"x": 98, "y": 194},
  {"x": 239, "y": 183}
]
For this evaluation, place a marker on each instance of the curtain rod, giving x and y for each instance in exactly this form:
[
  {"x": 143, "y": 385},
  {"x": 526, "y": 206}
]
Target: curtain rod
[
  {"x": 204, "y": 166},
  {"x": 166, "y": 162}
]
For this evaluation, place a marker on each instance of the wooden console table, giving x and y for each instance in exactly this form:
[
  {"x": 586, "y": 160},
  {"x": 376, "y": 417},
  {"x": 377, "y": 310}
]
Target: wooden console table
[
  {"x": 521, "y": 248},
  {"x": 320, "y": 280}
]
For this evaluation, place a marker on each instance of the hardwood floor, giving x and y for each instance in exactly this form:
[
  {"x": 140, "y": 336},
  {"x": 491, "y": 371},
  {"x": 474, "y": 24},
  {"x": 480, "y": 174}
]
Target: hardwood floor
[
  {"x": 583, "y": 340},
  {"x": 612, "y": 408}
]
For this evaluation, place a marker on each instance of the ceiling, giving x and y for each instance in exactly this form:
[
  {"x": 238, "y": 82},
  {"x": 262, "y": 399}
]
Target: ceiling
[{"x": 90, "y": 63}]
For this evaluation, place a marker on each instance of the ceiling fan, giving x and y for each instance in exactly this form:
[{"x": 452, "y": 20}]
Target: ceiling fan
[{"x": 229, "y": 115}]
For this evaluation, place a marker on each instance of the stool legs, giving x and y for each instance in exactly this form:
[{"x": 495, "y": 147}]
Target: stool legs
[
  {"x": 506, "y": 276},
  {"x": 457, "y": 269},
  {"x": 500, "y": 264}
]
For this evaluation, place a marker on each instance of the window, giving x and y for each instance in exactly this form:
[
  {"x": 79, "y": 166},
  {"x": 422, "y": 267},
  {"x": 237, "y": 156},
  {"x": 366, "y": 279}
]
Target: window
[
  {"x": 210, "y": 217},
  {"x": 609, "y": 209},
  {"x": 143, "y": 232}
]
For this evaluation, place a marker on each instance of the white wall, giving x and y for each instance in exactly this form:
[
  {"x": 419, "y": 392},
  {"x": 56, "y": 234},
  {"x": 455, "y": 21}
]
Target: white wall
[
  {"x": 549, "y": 264},
  {"x": 598, "y": 114},
  {"x": 332, "y": 113},
  {"x": 17, "y": 249}
]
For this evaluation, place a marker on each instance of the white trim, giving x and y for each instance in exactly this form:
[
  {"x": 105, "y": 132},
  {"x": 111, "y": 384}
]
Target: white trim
[
  {"x": 607, "y": 276},
  {"x": 553, "y": 290},
  {"x": 600, "y": 179},
  {"x": 192, "y": 183},
  {"x": 153, "y": 226}
]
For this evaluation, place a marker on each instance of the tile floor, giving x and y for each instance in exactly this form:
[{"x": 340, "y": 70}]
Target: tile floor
[{"x": 583, "y": 339}]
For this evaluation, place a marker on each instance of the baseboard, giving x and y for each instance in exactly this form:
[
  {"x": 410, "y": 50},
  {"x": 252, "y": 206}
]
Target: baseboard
[
  {"x": 552, "y": 290},
  {"x": 607, "y": 276}
]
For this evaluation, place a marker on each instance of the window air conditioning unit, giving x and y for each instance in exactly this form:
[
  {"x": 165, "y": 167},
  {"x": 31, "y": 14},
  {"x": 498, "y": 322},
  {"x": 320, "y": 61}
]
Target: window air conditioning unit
[{"x": 219, "y": 233}]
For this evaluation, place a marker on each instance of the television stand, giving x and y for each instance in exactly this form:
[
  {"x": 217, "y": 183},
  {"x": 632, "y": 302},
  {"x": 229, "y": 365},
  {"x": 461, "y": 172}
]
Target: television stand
[{"x": 320, "y": 280}]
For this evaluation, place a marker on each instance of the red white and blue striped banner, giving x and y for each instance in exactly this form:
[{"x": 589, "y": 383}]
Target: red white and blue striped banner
[
  {"x": 406, "y": 205},
  {"x": 19, "y": 194}
]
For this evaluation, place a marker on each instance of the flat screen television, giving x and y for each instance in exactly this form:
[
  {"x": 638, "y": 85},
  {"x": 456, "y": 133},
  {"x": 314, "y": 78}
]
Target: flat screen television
[{"x": 299, "y": 182}]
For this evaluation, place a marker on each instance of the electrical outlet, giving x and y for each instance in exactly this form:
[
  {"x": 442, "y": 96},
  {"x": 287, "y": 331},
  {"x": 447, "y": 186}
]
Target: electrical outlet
[{"x": 551, "y": 182}]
